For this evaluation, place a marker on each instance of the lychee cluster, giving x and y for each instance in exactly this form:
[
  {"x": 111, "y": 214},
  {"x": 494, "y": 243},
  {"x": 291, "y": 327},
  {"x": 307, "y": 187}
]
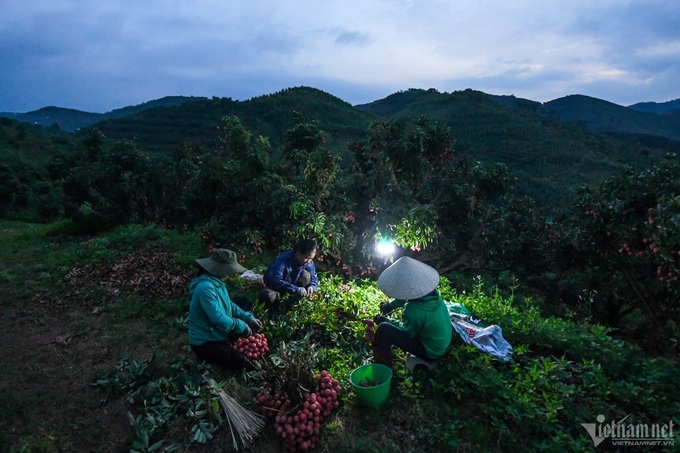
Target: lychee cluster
[
  {"x": 626, "y": 249},
  {"x": 300, "y": 430},
  {"x": 653, "y": 246},
  {"x": 254, "y": 347},
  {"x": 369, "y": 331},
  {"x": 667, "y": 276}
]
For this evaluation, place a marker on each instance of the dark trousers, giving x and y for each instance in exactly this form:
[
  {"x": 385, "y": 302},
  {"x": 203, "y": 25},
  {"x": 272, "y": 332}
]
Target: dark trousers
[
  {"x": 244, "y": 303},
  {"x": 220, "y": 353},
  {"x": 269, "y": 296},
  {"x": 388, "y": 335}
]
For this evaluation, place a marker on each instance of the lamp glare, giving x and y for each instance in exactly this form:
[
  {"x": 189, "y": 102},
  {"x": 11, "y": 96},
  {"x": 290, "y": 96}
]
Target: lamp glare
[{"x": 385, "y": 248}]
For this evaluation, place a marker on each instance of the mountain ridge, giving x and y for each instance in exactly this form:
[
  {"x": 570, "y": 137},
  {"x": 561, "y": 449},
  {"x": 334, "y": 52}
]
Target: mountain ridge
[
  {"x": 657, "y": 107},
  {"x": 70, "y": 119},
  {"x": 602, "y": 116}
]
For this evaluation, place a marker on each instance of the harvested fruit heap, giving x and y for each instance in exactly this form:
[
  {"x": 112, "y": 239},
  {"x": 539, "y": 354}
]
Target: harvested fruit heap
[
  {"x": 295, "y": 397},
  {"x": 300, "y": 429},
  {"x": 254, "y": 347}
]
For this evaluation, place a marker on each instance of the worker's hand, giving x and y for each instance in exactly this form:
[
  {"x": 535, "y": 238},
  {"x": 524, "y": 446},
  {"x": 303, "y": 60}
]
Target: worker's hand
[
  {"x": 247, "y": 331},
  {"x": 385, "y": 308},
  {"x": 255, "y": 324},
  {"x": 302, "y": 292},
  {"x": 310, "y": 292},
  {"x": 377, "y": 319}
]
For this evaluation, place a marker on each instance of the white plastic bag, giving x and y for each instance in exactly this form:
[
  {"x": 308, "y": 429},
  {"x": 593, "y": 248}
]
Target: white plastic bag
[{"x": 473, "y": 331}]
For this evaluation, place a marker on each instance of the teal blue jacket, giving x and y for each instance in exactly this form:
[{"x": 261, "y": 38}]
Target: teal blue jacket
[
  {"x": 427, "y": 319},
  {"x": 212, "y": 314}
]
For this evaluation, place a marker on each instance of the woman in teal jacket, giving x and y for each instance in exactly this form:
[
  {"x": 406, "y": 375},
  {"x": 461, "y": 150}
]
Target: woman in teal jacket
[
  {"x": 425, "y": 329},
  {"x": 213, "y": 317}
]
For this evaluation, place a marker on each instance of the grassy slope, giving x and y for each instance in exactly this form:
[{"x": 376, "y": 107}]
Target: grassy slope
[{"x": 57, "y": 337}]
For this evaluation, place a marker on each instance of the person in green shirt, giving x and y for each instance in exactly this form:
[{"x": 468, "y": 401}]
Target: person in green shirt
[
  {"x": 213, "y": 317},
  {"x": 425, "y": 328}
]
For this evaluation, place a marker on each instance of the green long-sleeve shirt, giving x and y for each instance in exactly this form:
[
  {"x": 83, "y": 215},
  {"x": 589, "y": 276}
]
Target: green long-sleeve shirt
[{"x": 428, "y": 320}]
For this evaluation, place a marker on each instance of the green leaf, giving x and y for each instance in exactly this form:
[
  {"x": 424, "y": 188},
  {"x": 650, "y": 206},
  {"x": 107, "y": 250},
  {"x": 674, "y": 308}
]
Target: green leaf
[{"x": 157, "y": 445}]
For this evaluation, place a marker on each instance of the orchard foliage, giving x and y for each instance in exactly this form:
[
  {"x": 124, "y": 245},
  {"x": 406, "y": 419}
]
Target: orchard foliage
[
  {"x": 26, "y": 191},
  {"x": 612, "y": 256},
  {"x": 624, "y": 247},
  {"x": 408, "y": 186}
]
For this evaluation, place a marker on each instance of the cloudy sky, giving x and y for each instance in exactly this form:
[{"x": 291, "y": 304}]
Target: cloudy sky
[{"x": 102, "y": 55}]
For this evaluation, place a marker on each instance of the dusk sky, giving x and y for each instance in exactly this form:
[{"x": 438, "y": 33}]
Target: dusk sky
[{"x": 98, "y": 56}]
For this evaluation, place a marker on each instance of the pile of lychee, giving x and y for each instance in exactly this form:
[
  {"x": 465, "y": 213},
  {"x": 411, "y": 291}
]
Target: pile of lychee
[
  {"x": 299, "y": 426},
  {"x": 254, "y": 347}
]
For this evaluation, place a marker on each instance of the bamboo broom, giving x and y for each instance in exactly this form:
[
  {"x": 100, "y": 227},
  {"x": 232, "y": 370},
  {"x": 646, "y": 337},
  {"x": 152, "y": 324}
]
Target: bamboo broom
[{"x": 242, "y": 422}]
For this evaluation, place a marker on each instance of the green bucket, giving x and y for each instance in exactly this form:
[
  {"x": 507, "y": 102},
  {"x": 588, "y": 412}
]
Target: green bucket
[{"x": 371, "y": 383}]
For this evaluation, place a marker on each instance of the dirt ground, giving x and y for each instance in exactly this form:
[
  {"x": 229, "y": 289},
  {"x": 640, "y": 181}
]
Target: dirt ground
[
  {"x": 50, "y": 358},
  {"x": 54, "y": 344}
]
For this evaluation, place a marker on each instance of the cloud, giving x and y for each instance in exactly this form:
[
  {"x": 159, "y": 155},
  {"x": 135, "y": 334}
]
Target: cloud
[
  {"x": 103, "y": 55},
  {"x": 351, "y": 38}
]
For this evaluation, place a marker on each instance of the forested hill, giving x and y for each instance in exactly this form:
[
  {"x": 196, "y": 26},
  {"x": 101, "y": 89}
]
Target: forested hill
[
  {"x": 552, "y": 148},
  {"x": 196, "y": 123},
  {"x": 71, "y": 119},
  {"x": 602, "y": 116},
  {"x": 551, "y": 157},
  {"x": 65, "y": 119},
  {"x": 657, "y": 107}
]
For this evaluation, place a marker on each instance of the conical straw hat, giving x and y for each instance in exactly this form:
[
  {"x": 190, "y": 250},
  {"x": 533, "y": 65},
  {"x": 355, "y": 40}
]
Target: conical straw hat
[{"x": 408, "y": 279}]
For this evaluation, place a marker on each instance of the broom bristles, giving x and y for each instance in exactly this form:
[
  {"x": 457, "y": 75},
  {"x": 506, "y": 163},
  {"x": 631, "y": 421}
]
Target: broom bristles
[{"x": 246, "y": 423}]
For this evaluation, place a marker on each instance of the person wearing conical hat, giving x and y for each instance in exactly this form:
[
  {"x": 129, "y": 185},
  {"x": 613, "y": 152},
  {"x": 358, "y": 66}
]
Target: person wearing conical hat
[
  {"x": 425, "y": 329},
  {"x": 213, "y": 317}
]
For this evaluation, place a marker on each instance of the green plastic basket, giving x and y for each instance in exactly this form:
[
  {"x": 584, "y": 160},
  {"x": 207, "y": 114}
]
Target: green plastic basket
[{"x": 374, "y": 373}]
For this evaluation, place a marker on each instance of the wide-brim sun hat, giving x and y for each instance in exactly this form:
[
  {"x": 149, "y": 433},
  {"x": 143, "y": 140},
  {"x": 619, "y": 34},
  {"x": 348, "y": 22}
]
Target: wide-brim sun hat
[
  {"x": 408, "y": 279},
  {"x": 221, "y": 263}
]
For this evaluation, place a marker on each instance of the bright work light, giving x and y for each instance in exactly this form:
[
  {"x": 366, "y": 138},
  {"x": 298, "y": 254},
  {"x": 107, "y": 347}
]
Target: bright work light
[{"x": 385, "y": 248}]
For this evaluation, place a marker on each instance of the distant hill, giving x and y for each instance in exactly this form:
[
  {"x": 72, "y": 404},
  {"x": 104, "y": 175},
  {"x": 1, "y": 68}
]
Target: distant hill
[
  {"x": 196, "y": 123},
  {"x": 549, "y": 154},
  {"x": 657, "y": 107},
  {"x": 71, "y": 120},
  {"x": 66, "y": 119},
  {"x": 167, "y": 101},
  {"x": 594, "y": 114},
  {"x": 602, "y": 116},
  {"x": 517, "y": 103}
]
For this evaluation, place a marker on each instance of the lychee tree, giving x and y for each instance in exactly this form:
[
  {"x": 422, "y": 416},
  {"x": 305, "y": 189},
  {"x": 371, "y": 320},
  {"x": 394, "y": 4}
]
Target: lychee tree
[
  {"x": 624, "y": 247},
  {"x": 409, "y": 186}
]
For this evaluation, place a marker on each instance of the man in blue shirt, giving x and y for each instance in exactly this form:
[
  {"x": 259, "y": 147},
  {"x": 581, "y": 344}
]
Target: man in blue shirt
[{"x": 292, "y": 272}]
